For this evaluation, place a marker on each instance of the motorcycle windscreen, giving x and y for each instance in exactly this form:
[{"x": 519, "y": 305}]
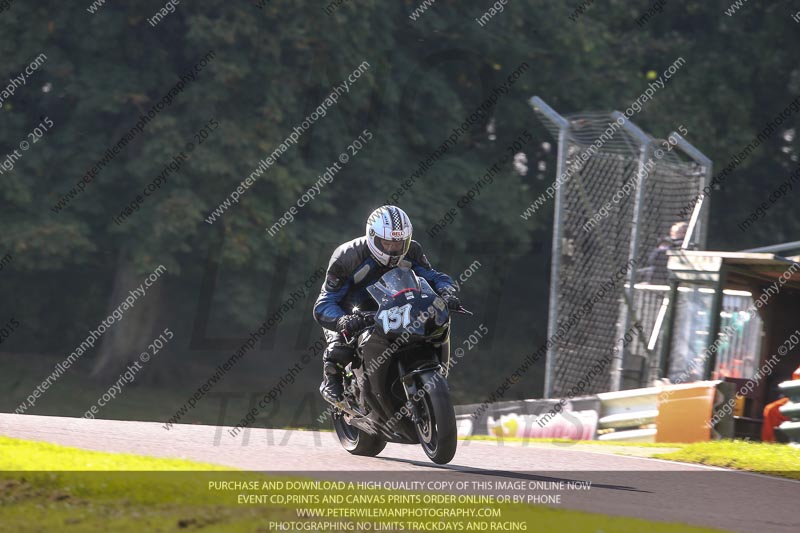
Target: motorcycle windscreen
[{"x": 406, "y": 302}]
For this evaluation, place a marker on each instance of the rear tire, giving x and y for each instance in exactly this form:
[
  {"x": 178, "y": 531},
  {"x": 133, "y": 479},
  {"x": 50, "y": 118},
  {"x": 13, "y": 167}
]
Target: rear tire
[
  {"x": 437, "y": 430},
  {"x": 356, "y": 441}
]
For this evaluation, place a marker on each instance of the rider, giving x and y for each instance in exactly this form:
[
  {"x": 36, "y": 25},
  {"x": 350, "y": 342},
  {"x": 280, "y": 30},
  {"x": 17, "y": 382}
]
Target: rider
[{"x": 353, "y": 267}]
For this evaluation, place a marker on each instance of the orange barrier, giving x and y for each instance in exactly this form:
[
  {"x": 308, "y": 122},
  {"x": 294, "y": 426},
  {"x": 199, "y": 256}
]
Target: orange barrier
[{"x": 684, "y": 412}]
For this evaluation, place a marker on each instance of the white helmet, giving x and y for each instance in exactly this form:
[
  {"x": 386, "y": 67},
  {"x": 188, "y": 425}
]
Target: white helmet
[{"x": 388, "y": 235}]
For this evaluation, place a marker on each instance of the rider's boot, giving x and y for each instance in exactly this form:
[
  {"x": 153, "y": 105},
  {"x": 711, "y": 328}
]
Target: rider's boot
[{"x": 332, "y": 387}]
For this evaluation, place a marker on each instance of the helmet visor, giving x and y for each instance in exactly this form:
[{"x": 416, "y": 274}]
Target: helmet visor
[{"x": 393, "y": 248}]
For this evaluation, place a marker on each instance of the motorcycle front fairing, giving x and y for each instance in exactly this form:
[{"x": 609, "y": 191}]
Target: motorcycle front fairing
[
  {"x": 409, "y": 311},
  {"x": 407, "y": 304}
]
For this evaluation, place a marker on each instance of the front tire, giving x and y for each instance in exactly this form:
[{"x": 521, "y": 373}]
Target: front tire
[
  {"x": 436, "y": 429},
  {"x": 356, "y": 441}
]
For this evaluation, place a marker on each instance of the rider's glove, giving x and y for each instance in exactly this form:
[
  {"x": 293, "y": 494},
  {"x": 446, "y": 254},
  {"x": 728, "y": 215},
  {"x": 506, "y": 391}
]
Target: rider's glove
[
  {"x": 351, "y": 324},
  {"x": 450, "y": 298}
]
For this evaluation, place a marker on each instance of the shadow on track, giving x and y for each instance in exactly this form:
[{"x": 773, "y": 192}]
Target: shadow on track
[{"x": 512, "y": 475}]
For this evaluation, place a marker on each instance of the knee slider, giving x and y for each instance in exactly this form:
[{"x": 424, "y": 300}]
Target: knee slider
[
  {"x": 331, "y": 369},
  {"x": 339, "y": 353}
]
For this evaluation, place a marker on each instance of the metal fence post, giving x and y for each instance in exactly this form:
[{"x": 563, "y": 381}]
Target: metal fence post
[
  {"x": 698, "y": 224},
  {"x": 555, "y": 261},
  {"x": 701, "y": 220},
  {"x": 645, "y": 154}
]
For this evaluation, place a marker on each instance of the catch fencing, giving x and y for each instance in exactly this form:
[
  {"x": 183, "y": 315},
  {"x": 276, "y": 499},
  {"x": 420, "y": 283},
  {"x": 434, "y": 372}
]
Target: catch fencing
[{"x": 608, "y": 165}]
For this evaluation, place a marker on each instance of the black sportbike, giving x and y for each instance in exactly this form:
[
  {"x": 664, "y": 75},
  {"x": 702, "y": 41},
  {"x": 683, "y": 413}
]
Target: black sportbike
[{"x": 396, "y": 387}]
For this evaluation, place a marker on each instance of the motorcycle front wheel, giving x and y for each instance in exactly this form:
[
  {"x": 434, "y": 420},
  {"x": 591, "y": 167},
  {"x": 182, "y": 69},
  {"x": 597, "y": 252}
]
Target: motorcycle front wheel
[{"x": 436, "y": 428}]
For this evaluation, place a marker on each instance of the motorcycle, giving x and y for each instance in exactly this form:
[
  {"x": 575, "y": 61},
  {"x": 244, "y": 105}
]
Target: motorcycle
[{"x": 396, "y": 387}]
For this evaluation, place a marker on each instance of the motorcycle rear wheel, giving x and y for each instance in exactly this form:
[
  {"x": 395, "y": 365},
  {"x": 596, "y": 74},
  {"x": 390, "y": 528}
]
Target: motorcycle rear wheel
[{"x": 356, "y": 441}]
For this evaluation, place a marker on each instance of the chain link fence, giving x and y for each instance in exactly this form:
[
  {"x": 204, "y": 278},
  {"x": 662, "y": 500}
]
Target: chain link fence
[{"x": 618, "y": 199}]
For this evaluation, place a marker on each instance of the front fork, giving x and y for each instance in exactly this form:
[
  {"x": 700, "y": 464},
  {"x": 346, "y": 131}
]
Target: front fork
[
  {"x": 411, "y": 388},
  {"x": 410, "y": 383}
]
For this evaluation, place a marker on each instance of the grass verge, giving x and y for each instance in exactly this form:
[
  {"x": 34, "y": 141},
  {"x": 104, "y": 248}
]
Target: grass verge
[
  {"x": 762, "y": 457},
  {"x": 45, "y": 487}
]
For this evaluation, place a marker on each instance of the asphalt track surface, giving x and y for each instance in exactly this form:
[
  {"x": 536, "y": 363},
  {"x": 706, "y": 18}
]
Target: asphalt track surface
[{"x": 622, "y": 486}]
